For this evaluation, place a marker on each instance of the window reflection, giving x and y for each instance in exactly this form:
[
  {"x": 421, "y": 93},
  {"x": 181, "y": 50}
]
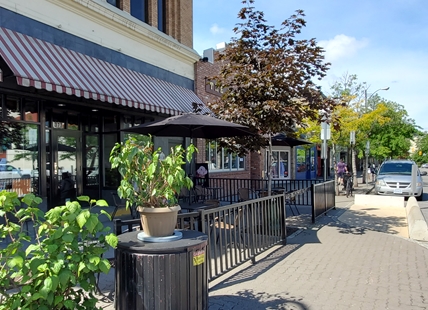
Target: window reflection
[
  {"x": 19, "y": 162},
  {"x": 13, "y": 108},
  {"x": 279, "y": 164}
]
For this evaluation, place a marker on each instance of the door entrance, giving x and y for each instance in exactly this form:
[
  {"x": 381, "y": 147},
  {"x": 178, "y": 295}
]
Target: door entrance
[{"x": 64, "y": 168}]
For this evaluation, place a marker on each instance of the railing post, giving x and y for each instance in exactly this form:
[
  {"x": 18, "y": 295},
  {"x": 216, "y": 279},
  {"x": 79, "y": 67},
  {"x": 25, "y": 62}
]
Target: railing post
[
  {"x": 283, "y": 218},
  {"x": 313, "y": 202}
]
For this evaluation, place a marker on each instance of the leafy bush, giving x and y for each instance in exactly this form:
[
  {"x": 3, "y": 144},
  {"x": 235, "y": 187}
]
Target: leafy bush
[
  {"x": 147, "y": 180},
  {"x": 57, "y": 269}
]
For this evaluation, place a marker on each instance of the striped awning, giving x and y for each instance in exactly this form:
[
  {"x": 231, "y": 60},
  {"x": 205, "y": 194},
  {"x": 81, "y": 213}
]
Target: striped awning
[{"x": 43, "y": 65}]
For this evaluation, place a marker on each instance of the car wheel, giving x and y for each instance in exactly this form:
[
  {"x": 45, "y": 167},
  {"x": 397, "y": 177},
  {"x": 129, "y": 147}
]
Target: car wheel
[{"x": 419, "y": 198}]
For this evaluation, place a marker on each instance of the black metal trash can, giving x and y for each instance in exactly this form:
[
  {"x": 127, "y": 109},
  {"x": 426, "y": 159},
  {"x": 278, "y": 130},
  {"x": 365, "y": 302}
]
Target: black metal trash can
[{"x": 165, "y": 275}]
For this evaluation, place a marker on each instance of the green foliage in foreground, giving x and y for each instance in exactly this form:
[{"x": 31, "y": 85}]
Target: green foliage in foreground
[{"x": 57, "y": 269}]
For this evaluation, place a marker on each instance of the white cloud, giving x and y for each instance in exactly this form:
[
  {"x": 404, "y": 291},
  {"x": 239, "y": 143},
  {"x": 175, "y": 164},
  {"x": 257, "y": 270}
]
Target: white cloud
[
  {"x": 342, "y": 46},
  {"x": 215, "y": 29}
]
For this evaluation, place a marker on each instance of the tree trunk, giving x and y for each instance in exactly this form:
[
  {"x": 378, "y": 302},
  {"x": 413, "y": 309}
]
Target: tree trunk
[{"x": 354, "y": 166}]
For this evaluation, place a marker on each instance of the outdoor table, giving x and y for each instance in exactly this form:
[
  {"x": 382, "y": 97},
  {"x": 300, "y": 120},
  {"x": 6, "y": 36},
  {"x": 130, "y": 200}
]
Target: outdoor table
[
  {"x": 196, "y": 206},
  {"x": 162, "y": 275}
]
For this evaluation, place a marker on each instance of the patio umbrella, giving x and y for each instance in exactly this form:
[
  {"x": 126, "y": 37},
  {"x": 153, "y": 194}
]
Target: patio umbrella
[
  {"x": 192, "y": 126},
  {"x": 282, "y": 139}
]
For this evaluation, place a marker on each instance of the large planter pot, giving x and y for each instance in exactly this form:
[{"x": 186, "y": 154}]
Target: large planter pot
[{"x": 159, "y": 222}]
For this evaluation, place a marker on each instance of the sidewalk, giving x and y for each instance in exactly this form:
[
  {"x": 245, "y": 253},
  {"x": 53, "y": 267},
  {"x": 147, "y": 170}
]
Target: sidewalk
[{"x": 327, "y": 265}]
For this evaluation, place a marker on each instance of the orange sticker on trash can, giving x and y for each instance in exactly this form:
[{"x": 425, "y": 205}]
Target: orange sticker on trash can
[{"x": 198, "y": 257}]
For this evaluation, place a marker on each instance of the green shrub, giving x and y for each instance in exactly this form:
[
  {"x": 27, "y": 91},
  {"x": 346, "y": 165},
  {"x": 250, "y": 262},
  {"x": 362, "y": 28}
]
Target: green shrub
[{"x": 57, "y": 268}]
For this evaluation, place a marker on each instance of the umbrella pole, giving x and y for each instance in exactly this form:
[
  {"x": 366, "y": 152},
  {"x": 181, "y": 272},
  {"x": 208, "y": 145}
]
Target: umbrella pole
[{"x": 270, "y": 166}]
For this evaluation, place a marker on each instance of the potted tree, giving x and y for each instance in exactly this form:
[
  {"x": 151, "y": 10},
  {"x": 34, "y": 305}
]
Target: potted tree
[{"x": 152, "y": 181}]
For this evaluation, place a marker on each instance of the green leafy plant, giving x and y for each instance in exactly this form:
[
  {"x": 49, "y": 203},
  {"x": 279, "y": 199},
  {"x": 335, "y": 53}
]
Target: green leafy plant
[
  {"x": 56, "y": 269},
  {"x": 148, "y": 181}
]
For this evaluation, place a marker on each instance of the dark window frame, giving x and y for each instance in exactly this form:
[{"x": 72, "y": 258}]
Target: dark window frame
[
  {"x": 162, "y": 15},
  {"x": 142, "y": 12}
]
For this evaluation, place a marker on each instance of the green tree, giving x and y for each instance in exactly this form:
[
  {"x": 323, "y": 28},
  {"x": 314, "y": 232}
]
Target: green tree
[
  {"x": 420, "y": 155},
  {"x": 392, "y": 139},
  {"x": 267, "y": 78}
]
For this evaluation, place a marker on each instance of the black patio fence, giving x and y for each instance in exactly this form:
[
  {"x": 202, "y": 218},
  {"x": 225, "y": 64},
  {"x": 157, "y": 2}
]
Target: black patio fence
[
  {"x": 227, "y": 188},
  {"x": 240, "y": 231},
  {"x": 236, "y": 233},
  {"x": 323, "y": 198}
]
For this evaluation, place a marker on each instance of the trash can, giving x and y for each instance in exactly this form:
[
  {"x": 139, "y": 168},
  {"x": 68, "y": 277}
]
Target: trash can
[{"x": 162, "y": 275}]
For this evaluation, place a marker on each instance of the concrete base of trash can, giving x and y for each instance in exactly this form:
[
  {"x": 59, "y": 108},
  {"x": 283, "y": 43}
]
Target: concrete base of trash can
[{"x": 166, "y": 275}]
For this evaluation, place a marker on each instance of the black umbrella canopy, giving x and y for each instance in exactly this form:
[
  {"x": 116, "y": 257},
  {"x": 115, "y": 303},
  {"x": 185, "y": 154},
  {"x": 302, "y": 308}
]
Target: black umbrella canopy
[
  {"x": 282, "y": 139},
  {"x": 193, "y": 126}
]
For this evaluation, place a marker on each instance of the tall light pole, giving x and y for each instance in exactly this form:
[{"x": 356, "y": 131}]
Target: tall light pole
[
  {"x": 366, "y": 100},
  {"x": 368, "y": 142}
]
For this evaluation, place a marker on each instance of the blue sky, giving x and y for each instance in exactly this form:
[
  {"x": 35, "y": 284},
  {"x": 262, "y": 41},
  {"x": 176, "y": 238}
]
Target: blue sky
[{"x": 383, "y": 42}]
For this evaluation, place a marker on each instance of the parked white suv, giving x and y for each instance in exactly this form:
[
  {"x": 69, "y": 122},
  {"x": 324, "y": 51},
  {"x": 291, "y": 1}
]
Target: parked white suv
[{"x": 9, "y": 172}]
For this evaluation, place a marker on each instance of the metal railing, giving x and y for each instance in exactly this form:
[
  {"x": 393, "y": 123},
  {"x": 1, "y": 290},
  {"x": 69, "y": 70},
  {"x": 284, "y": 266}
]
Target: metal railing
[
  {"x": 228, "y": 188},
  {"x": 323, "y": 198},
  {"x": 238, "y": 232}
]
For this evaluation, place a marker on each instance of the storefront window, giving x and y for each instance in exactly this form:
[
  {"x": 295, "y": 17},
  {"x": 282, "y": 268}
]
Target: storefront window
[
  {"x": 13, "y": 108},
  {"x": 279, "y": 164},
  {"x": 19, "y": 160},
  {"x": 31, "y": 111},
  {"x": 111, "y": 177},
  {"x": 91, "y": 174}
]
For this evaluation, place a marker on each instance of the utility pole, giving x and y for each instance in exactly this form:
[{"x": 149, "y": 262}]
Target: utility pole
[{"x": 325, "y": 135}]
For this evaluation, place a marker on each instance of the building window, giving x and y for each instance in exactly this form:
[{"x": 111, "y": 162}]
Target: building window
[
  {"x": 139, "y": 9},
  {"x": 212, "y": 89},
  {"x": 114, "y": 3},
  {"x": 162, "y": 15},
  {"x": 279, "y": 164},
  {"x": 219, "y": 159},
  {"x": 301, "y": 160}
]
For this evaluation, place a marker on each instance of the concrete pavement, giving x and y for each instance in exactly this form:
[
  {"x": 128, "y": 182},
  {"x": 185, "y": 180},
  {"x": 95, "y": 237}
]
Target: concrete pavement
[{"x": 344, "y": 261}]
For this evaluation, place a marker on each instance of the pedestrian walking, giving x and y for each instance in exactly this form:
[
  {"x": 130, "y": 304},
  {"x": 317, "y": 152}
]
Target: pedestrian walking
[{"x": 373, "y": 171}]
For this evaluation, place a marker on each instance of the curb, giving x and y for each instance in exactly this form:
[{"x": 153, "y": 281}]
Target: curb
[{"x": 418, "y": 229}]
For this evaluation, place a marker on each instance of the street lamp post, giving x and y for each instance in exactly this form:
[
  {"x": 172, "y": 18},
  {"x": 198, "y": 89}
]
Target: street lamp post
[{"x": 366, "y": 100}]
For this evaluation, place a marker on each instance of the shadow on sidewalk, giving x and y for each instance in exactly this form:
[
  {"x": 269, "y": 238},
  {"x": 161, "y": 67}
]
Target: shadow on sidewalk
[{"x": 256, "y": 301}]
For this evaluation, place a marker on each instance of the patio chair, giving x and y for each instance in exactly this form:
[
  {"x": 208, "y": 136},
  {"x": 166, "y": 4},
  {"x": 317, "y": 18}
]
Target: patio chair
[
  {"x": 227, "y": 224},
  {"x": 187, "y": 195},
  {"x": 121, "y": 204},
  {"x": 246, "y": 194},
  {"x": 202, "y": 193}
]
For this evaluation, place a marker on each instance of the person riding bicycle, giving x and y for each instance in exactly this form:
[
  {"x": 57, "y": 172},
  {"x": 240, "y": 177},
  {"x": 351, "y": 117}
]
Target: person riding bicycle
[
  {"x": 348, "y": 183},
  {"x": 341, "y": 169}
]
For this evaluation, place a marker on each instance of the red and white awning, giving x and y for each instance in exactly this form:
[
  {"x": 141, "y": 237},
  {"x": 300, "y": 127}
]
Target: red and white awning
[{"x": 43, "y": 65}]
